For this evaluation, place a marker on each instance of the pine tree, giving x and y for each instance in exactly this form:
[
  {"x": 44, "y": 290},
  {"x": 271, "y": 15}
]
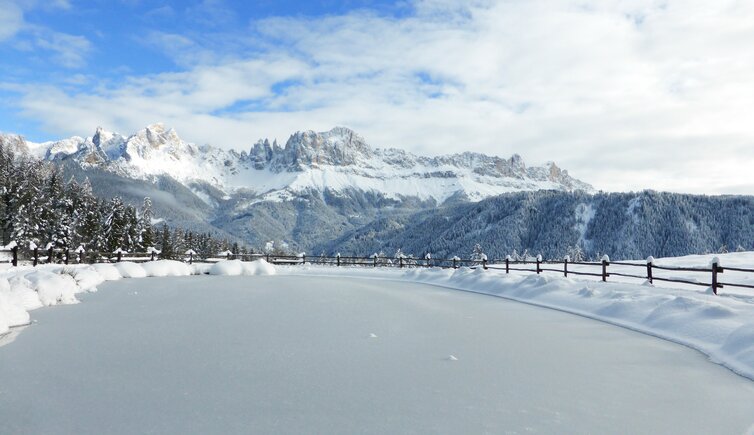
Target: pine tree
[
  {"x": 115, "y": 226},
  {"x": 477, "y": 254},
  {"x": 148, "y": 238},
  {"x": 166, "y": 243}
]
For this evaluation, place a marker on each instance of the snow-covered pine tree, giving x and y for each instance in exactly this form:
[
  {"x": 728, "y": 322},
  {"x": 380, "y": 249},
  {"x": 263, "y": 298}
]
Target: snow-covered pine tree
[
  {"x": 148, "y": 237},
  {"x": 90, "y": 225},
  {"x": 477, "y": 254},
  {"x": 166, "y": 243},
  {"x": 179, "y": 242},
  {"x": 131, "y": 234},
  {"x": 575, "y": 253},
  {"x": 115, "y": 225}
]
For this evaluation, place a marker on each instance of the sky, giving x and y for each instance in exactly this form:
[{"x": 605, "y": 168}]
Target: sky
[{"x": 624, "y": 94}]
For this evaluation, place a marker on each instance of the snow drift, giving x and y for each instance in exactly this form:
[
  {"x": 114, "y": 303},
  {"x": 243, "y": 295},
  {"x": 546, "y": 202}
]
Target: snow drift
[{"x": 26, "y": 288}]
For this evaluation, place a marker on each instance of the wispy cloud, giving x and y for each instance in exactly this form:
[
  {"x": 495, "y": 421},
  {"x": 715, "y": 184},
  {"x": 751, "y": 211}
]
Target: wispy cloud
[
  {"x": 67, "y": 50},
  {"x": 211, "y": 13},
  {"x": 608, "y": 89},
  {"x": 11, "y": 20}
]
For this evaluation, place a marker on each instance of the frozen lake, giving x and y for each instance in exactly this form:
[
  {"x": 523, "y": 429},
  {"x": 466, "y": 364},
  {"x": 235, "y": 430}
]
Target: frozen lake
[{"x": 286, "y": 354}]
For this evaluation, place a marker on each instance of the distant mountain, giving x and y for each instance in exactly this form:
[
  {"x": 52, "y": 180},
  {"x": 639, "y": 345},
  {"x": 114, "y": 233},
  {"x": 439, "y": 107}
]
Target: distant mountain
[
  {"x": 316, "y": 187},
  {"x": 332, "y": 192},
  {"x": 336, "y": 160}
]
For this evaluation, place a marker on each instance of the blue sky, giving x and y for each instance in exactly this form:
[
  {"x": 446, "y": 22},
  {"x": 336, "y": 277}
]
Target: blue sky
[{"x": 624, "y": 94}]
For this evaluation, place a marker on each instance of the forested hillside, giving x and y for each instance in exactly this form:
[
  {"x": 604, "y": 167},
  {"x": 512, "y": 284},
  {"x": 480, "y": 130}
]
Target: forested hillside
[
  {"x": 623, "y": 225},
  {"x": 38, "y": 207}
]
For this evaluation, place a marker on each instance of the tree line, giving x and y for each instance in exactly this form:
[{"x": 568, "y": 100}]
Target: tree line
[{"x": 39, "y": 208}]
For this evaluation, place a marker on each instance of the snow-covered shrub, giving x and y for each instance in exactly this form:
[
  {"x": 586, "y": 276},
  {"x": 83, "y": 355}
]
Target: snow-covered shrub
[
  {"x": 53, "y": 288},
  {"x": 167, "y": 268},
  {"x": 129, "y": 269},
  {"x": 107, "y": 271}
]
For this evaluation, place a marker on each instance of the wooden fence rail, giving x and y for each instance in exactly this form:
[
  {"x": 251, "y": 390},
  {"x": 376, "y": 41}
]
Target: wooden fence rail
[{"x": 600, "y": 269}]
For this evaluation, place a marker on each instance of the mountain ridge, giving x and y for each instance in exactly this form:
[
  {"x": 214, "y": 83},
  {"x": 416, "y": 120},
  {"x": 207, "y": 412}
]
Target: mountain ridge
[{"x": 337, "y": 159}]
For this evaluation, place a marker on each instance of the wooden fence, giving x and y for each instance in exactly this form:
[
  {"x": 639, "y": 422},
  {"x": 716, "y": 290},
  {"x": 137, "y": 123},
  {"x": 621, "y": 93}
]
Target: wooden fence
[{"x": 601, "y": 269}]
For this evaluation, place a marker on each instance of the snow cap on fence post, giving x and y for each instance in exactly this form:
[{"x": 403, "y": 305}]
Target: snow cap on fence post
[
  {"x": 191, "y": 254},
  {"x": 375, "y": 255},
  {"x": 509, "y": 258},
  {"x": 428, "y": 256},
  {"x": 715, "y": 261},
  {"x": 567, "y": 258},
  {"x": 605, "y": 258},
  {"x": 539, "y": 257},
  {"x": 650, "y": 259},
  {"x": 455, "y": 260},
  {"x": 32, "y": 245},
  {"x": 10, "y": 245},
  {"x": 49, "y": 246},
  {"x": 80, "y": 250}
]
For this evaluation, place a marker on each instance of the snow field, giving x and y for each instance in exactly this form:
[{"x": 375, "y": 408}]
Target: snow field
[
  {"x": 722, "y": 327},
  {"x": 27, "y": 288}
]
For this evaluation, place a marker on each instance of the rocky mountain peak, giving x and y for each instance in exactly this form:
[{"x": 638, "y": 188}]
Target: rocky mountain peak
[{"x": 340, "y": 146}]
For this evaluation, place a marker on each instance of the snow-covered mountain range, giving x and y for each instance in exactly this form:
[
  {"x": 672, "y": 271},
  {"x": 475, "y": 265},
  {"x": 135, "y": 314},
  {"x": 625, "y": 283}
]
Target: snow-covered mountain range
[
  {"x": 336, "y": 160},
  {"x": 315, "y": 188}
]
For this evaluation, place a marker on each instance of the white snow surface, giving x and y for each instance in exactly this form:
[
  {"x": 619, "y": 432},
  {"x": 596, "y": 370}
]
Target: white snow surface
[
  {"x": 237, "y": 267},
  {"x": 346, "y": 355},
  {"x": 721, "y": 327},
  {"x": 27, "y": 288}
]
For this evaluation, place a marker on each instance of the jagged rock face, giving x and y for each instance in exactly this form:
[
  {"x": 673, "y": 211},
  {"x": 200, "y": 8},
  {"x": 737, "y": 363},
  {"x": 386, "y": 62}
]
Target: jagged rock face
[{"x": 337, "y": 160}]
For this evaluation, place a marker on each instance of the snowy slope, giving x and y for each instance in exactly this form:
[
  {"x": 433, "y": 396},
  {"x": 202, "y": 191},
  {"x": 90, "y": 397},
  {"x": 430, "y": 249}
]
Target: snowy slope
[{"x": 337, "y": 160}]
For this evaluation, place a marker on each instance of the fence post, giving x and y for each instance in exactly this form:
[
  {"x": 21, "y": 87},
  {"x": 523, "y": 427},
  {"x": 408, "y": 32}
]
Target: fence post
[
  {"x": 650, "y": 260},
  {"x": 337, "y": 257},
  {"x": 49, "y": 255},
  {"x": 565, "y": 266},
  {"x": 191, "y": 257},
  {"x": 14, "y": 250},
  {"x": 81, "y": 256},
  {"x": 508, "y": 264},
  {"x": 484, "y": 263},
  {"x": 303, "y": 259},
  {"x": 715, "y": 270},
  {"x": 36, "y": 256},
  {"x": 268, "y": 257},
  {"x": 454, "y": 263},
  {"x": 152, "y": 256},
  {"x": 67, "y": 254},
  {"x": 120, "y": 254},
  {"x": 375, "y": 260},
  {"x": 605, "y": 263},
  {"x": 539, "y": 262}
]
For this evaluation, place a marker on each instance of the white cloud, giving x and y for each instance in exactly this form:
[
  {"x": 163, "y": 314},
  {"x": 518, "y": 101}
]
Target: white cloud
[
  {"x": 626, "y": 95},
  {"x": 11, "y": 20},
  {"x": 69, "y": 51}
]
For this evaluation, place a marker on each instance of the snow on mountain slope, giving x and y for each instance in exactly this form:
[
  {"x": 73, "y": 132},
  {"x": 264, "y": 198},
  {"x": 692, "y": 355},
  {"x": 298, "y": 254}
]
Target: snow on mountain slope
[{"x": 336, "y": 160}]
